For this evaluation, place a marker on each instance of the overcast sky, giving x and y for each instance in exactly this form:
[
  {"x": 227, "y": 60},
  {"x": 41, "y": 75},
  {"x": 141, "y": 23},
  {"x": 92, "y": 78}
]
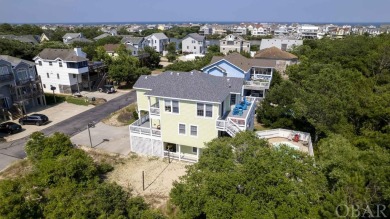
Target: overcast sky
[{"x": 44, "y": 11}]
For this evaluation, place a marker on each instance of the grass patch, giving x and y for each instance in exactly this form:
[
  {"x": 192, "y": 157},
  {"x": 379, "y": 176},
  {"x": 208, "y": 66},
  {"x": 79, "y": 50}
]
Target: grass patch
[
  {"x": 77, "y": 101},
  {"x": 50, "y": 100}
]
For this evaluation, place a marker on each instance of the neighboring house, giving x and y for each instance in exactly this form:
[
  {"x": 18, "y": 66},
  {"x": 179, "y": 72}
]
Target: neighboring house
[
  {"x": 61, "y": 69},
  {"x": 70, "y": 37},
  {"x": 32, "y": 39},
  {"x": 158, "y": 41},
  {"x": 20, "y": 87},
  {"x": 205, "y": 30},
  {"x": 308, "y": 32},
  {"x": 193, "y": 43},
  {"x": 240, "y": 30},
  {"x": 234, "y": 43},
  {"x": 135, "y": 44},
  {"x": 283, "y": 44},
  {"x": 44, "y": 37},
  {"x": 180, "y": 111},
  {"x": 297, "y": 140},
  {"x": 259, "y": 30},
  {"x": 256, "y": 72},
  {"x": 111, "y": 49},
  {"x": 282, "y": 58},
  {"x": 83, "y": 40}
]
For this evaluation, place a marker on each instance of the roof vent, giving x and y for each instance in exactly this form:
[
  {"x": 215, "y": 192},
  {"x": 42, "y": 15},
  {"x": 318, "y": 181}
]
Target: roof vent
[
  {"x": 146, "y": 77},
  {"x": 171, "y": 73},
  {"x": 177, "y": 73},
  {"x": 192, "y": 73},
  {"x": 228, "y": 79}
]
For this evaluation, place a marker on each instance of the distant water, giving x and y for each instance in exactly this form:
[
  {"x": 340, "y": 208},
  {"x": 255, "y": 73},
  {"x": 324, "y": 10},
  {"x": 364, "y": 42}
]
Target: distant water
[{"x": 209, "y": 22}]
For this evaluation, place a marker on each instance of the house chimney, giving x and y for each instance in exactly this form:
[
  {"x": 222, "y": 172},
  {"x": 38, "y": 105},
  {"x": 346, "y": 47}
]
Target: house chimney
[{"x": 78, "y": 52}]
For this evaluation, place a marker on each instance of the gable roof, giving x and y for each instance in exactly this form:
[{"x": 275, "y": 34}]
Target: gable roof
[
  {"x": 111, "y": 47},
  {"x": 193, "y": 85},
  {"x": 160, "y": 36},
  {"x": 235, "y": 35},
  {"x": 104, "y": 35},
  {"x": 131, "y": 39},
  {"x": 64, "y": 54},
  {"x": 15, "y": 61},
  {"x": 195, "y": 36},
  {"x": 23, "y": 38},
  {"x": 274, "y": 53},
  {"x": 72, "y": 35},
  {"x": 79, "y": 40},
  {"x": 242, "y": 62}
]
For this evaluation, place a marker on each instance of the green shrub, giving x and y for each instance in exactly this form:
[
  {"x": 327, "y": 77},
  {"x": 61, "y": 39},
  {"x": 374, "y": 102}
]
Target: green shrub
[{"x": 58, "y": 98}]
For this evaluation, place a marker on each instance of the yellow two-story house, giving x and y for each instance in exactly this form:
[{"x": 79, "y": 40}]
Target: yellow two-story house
[{"x": 180, "y": 111}]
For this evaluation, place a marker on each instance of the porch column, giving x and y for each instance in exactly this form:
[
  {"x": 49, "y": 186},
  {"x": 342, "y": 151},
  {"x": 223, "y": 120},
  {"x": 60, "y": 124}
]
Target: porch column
[
  {"x": 150, "y": 119},
  {"x": 179, "y": 151},
  {"x": 89, "y": 82},
  {"x": 78, "y": 86}
]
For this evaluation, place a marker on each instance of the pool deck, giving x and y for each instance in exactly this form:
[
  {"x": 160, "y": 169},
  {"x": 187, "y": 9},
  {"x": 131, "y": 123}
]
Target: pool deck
[{"x": 299, "y": 144}]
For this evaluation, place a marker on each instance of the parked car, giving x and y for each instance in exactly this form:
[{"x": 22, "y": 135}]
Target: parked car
[
  {"x": 34, "y": 119},
  {"x": 107, "y": 89},
  {"x": 10, "y": 127}
]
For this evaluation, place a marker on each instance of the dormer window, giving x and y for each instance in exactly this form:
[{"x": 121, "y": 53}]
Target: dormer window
[
  {"x": 51, "y": 63},
  {"x": 60, "y": 64}
]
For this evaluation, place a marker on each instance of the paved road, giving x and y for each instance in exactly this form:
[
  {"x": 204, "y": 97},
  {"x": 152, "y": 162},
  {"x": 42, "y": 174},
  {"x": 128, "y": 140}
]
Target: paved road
[{"x": 11, "y": 151}]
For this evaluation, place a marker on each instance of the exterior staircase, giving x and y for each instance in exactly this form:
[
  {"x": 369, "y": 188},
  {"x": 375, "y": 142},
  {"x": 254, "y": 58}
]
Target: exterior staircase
[
  {"x": 232, "y": 128},
  {"x": 15, "y": 112},
  {"x": 100, "y": 82}
]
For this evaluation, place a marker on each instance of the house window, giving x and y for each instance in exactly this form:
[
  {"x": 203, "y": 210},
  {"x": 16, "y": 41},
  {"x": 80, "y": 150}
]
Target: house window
[
  {"x": 40, "y": 63},
  {"x": 209, "y": 110},
  {"x": 194, "y": 130},
  {"x": 60, "y": 64},
  {"x": 194, "y": 150},
  {"x": 50, "y": 63},
  {"x": 4, "y": 70},
  {"x": 74, "y": 75},
  {"x": 200, "y": 109},
  {"x": 194, "y": 47},
  {"x": 232, "y": 99},
  {"x": 44, "y": 85},
  {"x": 58, "y": 76},
  {"x": 47, "y": 74},
  {"x": 22, "y": 74},
  {"x": 188, "y": 47},
  {"x": 168, "y": 106},
  {"x": 175, "y": 106},
  {"x": 182, "y": 129}
]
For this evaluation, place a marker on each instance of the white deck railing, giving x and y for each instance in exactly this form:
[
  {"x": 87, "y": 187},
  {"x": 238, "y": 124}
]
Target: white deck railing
[
  {"x": 183, "y": 157},
  {"x": 155, "y": 109},
  {"x": 136, "y": 128},
  {"x": 288, "y": 134}
]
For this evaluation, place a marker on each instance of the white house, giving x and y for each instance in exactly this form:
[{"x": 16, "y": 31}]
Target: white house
[
  {"x": 283, "y": 44},
  {"x": 308, "y": 31},
  {"x": 158, "y": 41},
  {"x": 234, "y": 43},
  {"x": 193, "y": 43},
  {"x": 61, "y": 69}
]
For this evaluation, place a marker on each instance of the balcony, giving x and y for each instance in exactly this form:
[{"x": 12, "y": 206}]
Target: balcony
[
  {"x": 234, "y": 123},
  {"x": 256, "y": 85},
  {"x": 155, "y": 109},
  {"x": 142, "y": 127},
  {"x": 6, "y": 78}
]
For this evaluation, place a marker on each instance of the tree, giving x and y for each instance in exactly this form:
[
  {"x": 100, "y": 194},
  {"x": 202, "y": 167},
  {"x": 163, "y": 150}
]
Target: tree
[
  {"x": 65, "y": 182},
  {"x": 151, "y": 57},
  {"x": 213, "y": 49},
  {"x": 243, "y": 177}
]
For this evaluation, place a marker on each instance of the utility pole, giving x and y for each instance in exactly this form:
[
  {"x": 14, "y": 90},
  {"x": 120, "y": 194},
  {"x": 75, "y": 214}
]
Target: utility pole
[{"x": 90, "y": 125}]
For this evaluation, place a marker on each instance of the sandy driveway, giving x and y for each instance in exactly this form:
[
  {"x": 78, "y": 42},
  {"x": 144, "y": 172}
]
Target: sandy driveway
[{"x": 159, "y": 176}]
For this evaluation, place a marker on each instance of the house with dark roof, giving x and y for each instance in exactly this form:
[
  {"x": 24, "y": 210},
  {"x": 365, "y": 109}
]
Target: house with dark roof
[
  {"x": 234, "y": 43},
  {"x": 282, "y": 58},
  {"x": 135, "y": 44},
  {"x": 32, "y": 39},
  {"x": 193, "y": 43},
  {"x": 180, "y": 111},
  {"x": 158, "y": 41},
  {"x": 20, "y": 87},
  {"x": 257, "y": 73},
  {"x": 111, "y": 49},
  {"x": 61, "y": 70}
]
